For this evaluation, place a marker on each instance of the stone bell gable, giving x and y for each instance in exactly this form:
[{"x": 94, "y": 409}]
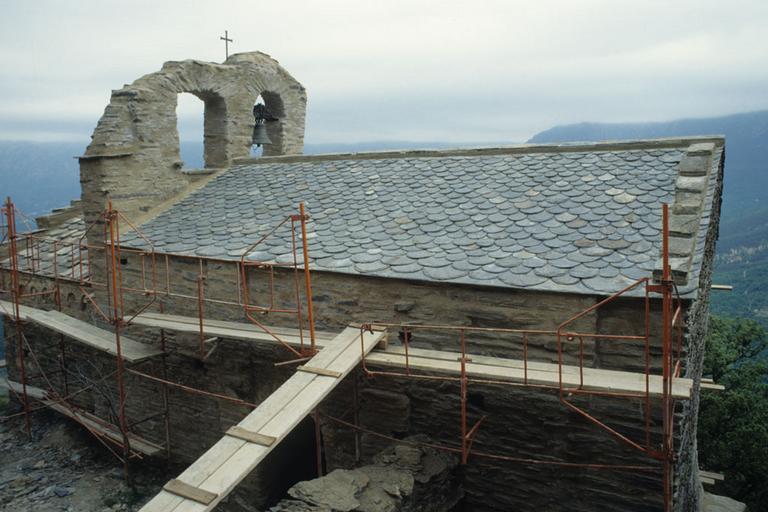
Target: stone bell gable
[{"x": 133, "y": 157}]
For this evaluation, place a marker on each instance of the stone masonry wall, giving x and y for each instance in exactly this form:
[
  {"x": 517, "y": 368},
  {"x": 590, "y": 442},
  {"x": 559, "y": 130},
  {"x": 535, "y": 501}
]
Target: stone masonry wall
[{"x": 689, "y": 491}]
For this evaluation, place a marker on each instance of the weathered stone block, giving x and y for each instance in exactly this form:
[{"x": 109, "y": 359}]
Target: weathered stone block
[
  {"x": 684, "y": 224},
  {"x": 695, "y": 184},
  {"x": 701, "y": 149},
  {"x": 694, "y": 165}
]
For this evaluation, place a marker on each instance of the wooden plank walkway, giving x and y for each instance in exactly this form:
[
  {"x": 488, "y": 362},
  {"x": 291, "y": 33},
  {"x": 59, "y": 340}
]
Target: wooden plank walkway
[
  {"x": 216, "y": 473},
  {"x": 228, "y": 329},
  {"x": 435, "y": 361},
  {"x": 85, "y": 333},
  {"x": 90, "y": 421},
  {"x": 512, "y": 370}
]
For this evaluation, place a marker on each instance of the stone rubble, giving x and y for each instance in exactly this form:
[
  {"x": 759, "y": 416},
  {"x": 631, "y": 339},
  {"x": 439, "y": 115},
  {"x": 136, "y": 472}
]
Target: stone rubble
[
  {"x": 62, "y": 469},
  {"x": 402, "y": 478}
]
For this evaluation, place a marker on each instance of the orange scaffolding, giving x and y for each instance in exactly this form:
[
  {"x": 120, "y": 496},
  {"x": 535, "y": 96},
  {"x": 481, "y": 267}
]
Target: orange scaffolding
[
  {"x": 25, "y": 260},
  {"x": 27, "y": 263}
]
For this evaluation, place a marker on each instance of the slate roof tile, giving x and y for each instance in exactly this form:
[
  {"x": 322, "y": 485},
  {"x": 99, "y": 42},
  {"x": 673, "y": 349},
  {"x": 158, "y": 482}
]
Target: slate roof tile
[{"x": 581, "y": 221}]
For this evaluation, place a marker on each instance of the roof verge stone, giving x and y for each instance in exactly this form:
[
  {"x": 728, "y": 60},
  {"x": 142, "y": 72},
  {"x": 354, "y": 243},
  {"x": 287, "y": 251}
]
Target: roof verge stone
[{"x": 685, "y": 213}]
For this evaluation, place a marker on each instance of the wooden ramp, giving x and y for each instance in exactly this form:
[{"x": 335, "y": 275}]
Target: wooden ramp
[
  {"x": 93, "y": 423},
  {"x": 85, "y": 333},
  {"x": 513, "y": 370},
  {"x": 216, "y": 473},
  {"x": 228, "y": 329}
]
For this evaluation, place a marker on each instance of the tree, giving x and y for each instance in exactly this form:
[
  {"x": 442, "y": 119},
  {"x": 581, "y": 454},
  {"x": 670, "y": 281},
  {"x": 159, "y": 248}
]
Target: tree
[{"x": 733, "y": 424}]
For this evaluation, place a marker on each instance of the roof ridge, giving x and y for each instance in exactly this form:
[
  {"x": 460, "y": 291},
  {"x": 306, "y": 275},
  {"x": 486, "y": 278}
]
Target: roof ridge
[{"x": 609, "y": 145}]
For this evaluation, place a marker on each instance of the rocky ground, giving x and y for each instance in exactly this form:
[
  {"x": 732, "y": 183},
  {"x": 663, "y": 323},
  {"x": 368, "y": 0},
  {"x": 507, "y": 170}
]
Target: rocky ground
[{"x": 62, "y": 468}]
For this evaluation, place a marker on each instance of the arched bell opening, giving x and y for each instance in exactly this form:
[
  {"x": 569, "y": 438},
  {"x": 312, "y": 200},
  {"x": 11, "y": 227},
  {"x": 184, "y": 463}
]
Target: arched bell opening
[
  {"x": 201, "y": 145},
  {"x": 190, "y": 121},
  {"x": 268, "y": 113}
]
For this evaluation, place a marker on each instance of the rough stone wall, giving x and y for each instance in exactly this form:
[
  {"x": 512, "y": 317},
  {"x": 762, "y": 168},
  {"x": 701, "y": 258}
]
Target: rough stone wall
[
  {"x": 689, "y": 490},
  {"x": 133, "y": 157},
  {"x": 624, "y": 317}
]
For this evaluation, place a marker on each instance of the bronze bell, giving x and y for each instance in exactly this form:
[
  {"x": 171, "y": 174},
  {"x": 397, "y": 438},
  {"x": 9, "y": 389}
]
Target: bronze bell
[{"x": 260, "y": 134}]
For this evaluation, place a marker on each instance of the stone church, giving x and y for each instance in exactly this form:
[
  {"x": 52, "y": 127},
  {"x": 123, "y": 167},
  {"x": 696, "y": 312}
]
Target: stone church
[{"x": 519, "y": 294}]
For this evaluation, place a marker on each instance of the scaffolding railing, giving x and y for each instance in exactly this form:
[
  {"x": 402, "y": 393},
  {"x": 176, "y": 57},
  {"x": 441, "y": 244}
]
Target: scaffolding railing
[{"x": 31, "y": 255}]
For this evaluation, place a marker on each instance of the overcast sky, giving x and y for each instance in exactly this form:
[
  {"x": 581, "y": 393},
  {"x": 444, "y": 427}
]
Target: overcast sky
[{"x": 422, "y": 70}]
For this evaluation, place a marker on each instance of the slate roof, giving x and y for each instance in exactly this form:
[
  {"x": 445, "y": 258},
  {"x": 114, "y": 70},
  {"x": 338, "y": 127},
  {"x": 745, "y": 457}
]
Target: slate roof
[{"x": 570, "y": 219}]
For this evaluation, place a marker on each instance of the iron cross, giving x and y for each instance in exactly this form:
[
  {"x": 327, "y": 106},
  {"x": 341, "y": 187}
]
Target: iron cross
[{"x": 226, "y": 40}]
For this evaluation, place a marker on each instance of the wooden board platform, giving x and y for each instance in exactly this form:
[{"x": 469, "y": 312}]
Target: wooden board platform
[
  {"x": 710, "y": 385},
  {"x": 710, "y": 477},
  {"x": 227, "y": 462},
  {"x": 512, "y": 370},
  {"x": 228, "y": 329},
  {"x": 90, "y": 421},
  {"x": 85, "y": 333},
  {"x": 433, "y": 361}
]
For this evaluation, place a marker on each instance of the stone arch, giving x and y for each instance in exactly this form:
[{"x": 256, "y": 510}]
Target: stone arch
[{"x": 133, "y": 157}]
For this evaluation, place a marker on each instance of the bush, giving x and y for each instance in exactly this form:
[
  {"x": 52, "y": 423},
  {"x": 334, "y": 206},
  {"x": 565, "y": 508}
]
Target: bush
[{"x": 733, "y": 424}]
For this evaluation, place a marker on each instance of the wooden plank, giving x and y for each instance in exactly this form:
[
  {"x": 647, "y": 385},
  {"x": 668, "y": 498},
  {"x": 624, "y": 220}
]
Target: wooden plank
[
  {"x": 319, "y": 371},
  {"x": 712, "y": 386},
  {"x": 251, "y": 437},
  {"x": 225, "y": 464},
  {"x": 712, "y": 475},
  {"x": 32, "y": 391},
  {"x": 483, "y": 367},
  {"x": 238, "y": 330},
  {"x": 109, "y": 431},
  {"x": 6, "y": 308},
  {"x": 218, "y": 331},
  {"x": 384, "y": 343},
  {"x": 98, "y": 338},
  {"x": 89, "y": 420},
  {"x": 190, "y": 492},
  {"x": 88, "y": 334}
]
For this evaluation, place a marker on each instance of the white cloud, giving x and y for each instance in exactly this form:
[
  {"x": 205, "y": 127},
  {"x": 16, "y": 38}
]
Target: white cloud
[{"x": 443, "y": 70}]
